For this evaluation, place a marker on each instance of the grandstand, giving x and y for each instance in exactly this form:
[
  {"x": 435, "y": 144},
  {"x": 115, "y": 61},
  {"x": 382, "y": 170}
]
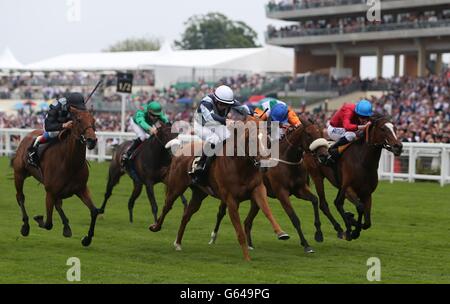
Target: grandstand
[{"x": 336, "y": 34}]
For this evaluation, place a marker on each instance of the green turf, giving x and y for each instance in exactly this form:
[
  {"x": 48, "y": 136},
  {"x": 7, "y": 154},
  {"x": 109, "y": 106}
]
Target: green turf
[{"x": 410, "y": 235}]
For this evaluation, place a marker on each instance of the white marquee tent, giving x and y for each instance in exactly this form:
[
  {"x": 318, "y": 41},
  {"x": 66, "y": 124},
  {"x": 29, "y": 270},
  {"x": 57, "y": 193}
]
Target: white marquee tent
[
  {"x": 8, "y": 61},
  {"x": 171, "y": 66}
]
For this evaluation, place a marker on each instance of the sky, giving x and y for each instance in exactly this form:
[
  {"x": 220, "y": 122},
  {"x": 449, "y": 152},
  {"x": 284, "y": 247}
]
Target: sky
[
  {"x": 39, "y": 29},
  {"x": 36, "y": 30}
]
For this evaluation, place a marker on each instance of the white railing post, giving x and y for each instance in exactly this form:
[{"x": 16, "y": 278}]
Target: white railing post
[
  {"x": 411, "y": 164},
  {"x": 444, "y": 166}
]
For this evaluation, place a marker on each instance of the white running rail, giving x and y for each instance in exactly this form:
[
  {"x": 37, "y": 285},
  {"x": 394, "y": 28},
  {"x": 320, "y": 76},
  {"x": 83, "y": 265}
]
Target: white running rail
[{"x": 419, "y": 161}]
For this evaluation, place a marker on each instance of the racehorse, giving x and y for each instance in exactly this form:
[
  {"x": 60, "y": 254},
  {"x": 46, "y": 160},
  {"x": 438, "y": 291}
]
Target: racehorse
[
  {"x": 356, "y": 174},
  {"x": 149, "y": 165},
  {"x": 289, "y": 177},
  {"x": 231, "y": 179},
  {"x": 63, "y": 171}
]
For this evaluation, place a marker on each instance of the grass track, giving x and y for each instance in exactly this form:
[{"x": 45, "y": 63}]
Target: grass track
[{"x": 410, "y": 235}]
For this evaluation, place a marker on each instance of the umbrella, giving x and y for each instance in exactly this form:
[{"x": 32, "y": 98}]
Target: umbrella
[
  {"x": 256, "y": 98},
  {"x": 185, "y": 100},
  {"x": 29, "y": 103},
  {"x": 43, "y": 106},
  {"x": 18, "y": 106}
]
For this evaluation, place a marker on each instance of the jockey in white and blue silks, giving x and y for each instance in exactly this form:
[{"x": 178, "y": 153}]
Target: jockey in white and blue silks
[{"x": 210, "y": 122}]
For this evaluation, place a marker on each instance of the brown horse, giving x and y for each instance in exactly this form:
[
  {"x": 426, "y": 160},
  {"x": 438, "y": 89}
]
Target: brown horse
[
  {"x": 63, "y": 172},
  {"x": 356, "y": 174},
  {"x": 288, "y": 178},
  {"x": 149, "y": 166},
  {"x": 231, "y": 179}
]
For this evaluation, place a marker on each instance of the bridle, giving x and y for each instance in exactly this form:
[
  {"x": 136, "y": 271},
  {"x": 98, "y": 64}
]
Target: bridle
[{"x": 369, "y": 130}]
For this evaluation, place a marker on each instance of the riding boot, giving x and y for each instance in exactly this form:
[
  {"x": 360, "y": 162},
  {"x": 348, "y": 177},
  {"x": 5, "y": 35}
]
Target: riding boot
[
  {"x": 32, "y": 156},
  {"x": 198, "y": 173},
  {"x": 127, "y": 155},
  {"x": 334, "y": 151}
]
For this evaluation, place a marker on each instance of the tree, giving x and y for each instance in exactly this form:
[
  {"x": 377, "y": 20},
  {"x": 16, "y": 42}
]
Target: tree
[
  {"x": 135, "y": 44},
  {"x": 216, "y": 31}
]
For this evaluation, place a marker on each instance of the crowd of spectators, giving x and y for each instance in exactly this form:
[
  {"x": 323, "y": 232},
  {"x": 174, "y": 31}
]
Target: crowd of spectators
[
  {"x": 420, "y": 107},
  {"x": 287, "y": 5},
  {"x": 358, "y": 24}
]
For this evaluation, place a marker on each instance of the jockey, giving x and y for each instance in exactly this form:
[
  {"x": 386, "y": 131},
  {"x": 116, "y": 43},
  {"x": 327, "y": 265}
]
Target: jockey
[
  {"x": 143, "y": 124},
  {"x": 57, "y": 119},
  {"x": 210, "y": 122},
  {"x": 344, "y": 125},
  {"x": 275, "y": 110}
]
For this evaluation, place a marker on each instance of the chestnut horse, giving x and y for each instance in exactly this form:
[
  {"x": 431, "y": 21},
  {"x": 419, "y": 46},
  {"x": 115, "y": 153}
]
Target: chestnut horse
[
  {"x": 357, "y": 173},
  {"x": 63, "y": 172},
  {"x": 150, "y": 164},
  {"x": 231, "y": 179},
  {"x": 288, "y": 178}
]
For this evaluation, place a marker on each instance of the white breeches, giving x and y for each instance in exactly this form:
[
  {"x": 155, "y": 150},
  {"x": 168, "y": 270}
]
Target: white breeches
[
  {"x": 337, "y": 133},
  {"x": 139, "y": 131}
]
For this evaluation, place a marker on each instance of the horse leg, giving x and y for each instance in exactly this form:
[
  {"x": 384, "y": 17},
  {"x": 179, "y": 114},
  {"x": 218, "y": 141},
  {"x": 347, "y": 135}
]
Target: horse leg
[
  {"x": 184, "y": 201},
  {"x": 235, "y": 219},
  {"x": 172, "y": 193},
  {"x": 323, "y": 204},
  {"x": 220, "y": 215},
  {"x": 86, "y": 199},
  {"x": 49, "y": 204},
  {"x": 259, "y": 195},
  {"x": 305, "y": 193},
  {"x": 137, "y": 189},
  {"x": 283, "y": 196},
  {"x": 248, "y": 223},
  {"x": 367, "y": 210},
  {"x": 339, "y": 203},
  {"x": 20, "y": 197},
  {"x": 67, "y": 232},
  {"x": 114, "y": 176},
  {"x": 152, "y": 199},
  {"x": 194, "y": 205}
]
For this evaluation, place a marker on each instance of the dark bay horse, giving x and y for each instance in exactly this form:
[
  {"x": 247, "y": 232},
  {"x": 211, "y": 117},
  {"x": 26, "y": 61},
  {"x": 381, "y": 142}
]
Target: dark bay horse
[
  {"x": 150, "y": 165},
  {"x": 357, "y": 173},
  {"x": 63, "y": 172},
  {"x": 287, "y": 178},
  {"x": 231, "y": 179}
]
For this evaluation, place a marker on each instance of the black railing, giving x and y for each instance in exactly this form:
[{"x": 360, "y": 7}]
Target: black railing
[{"x": 303, "y": 32}]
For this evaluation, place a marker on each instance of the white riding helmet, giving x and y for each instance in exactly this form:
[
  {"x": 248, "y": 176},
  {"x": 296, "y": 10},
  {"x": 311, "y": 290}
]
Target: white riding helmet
[{"x": 224, "y": 94}]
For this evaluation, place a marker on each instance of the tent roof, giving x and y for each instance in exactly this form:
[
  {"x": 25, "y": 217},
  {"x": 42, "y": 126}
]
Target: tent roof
[
  {"x": 8, "y": 61},
  {"x": 164, "y": 57}
]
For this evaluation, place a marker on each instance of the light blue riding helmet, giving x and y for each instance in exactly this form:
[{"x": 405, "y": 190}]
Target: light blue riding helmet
[
  {"x": 279, "y": 113},
  {"x": 364, "y": 108}
]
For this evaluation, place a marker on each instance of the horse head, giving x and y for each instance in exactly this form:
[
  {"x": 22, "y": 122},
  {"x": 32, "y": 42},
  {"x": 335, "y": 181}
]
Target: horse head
[
  {"x": 83, "y": 127},
  {"x": 382, "y": 132},
  {"x": 311, "y": 140}
]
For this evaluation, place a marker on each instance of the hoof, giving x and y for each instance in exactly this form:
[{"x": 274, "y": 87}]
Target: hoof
[
  {"x": 348, "y": 236},
  {"x": 212, "y": 241},
  {"x": 40, "y": 220},
  {"x": 67, "y": 232},
  {"x": 177, "y": 246},
  {"x": 355, "y": 234},
  {"x": 25, "y": 231},
  {"x": 366, "y": 226},
  {"x": 341, "y": 235},
  {"x": 251, "y": 248},
  {"x": 309, "y": 250},
  {"x": 283, "y": 236},
  {"x": 86, "y": 241},
  {"x": 318, "y": 236},
  {"x": 154, "y": 228},
  {"x": 101, "y": 211}
]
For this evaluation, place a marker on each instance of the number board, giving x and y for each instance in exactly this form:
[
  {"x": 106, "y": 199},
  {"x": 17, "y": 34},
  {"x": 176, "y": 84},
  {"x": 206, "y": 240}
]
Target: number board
[{"x": 124, "y": 82}]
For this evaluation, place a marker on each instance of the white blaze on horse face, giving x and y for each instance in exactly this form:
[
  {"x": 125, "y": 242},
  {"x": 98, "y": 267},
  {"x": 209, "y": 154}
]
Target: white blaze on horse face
[{"x": 390, "y": 126}]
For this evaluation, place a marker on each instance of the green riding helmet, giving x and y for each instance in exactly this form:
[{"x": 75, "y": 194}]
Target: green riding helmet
[{"x": 154, "y": 108}]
